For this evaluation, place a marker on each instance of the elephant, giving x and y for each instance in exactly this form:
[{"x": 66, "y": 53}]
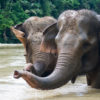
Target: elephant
[
  {"x": 30, "y": 34},
  {"x": 78, "y": 50}
]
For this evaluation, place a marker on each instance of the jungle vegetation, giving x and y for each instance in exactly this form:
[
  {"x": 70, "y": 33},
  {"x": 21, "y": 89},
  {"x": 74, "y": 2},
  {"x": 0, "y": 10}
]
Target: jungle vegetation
[{"x": 14, "y": 12}]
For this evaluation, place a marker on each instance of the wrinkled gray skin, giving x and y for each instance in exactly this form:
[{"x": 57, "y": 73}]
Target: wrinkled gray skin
[
  {"x": 78, "y": 51},
  {"x": 30, "y": 34}
]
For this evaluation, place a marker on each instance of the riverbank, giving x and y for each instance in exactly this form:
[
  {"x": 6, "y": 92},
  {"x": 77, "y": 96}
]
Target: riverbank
[{"x": 2, "y": 46}]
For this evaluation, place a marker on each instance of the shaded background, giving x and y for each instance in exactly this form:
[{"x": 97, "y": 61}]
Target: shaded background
[{"x": 16, "y": 11}]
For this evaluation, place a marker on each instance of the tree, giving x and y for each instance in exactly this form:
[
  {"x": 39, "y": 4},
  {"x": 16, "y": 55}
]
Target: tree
[{"x": 16, "y": 11}]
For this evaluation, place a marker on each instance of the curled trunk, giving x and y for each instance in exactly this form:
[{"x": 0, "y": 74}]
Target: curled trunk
[{"x": 66, "y": 68}]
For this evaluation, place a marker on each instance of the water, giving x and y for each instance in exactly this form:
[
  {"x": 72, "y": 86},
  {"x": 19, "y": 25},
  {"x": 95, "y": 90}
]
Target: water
[{"x": 11, "y": 58}]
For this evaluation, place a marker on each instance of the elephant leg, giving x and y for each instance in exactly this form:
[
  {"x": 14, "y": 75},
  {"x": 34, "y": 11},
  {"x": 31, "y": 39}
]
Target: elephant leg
[
  {"x": 88, "y": 77},
  {"x": 73, "y": 79},
  {"x": 93, "y": 78}
]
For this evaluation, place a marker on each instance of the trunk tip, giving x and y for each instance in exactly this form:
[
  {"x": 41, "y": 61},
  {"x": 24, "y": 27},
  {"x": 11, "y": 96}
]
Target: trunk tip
[{"x": 17, "y": 74}]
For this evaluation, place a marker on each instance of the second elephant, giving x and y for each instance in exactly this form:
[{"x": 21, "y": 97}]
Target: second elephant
[{"x": 30, "y": 33}]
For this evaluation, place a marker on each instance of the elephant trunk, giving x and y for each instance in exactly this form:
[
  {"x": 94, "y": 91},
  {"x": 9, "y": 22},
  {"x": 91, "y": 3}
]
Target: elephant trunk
[
  {"x": 64, "y": 71},
  {"x": 42, "y": 62}
]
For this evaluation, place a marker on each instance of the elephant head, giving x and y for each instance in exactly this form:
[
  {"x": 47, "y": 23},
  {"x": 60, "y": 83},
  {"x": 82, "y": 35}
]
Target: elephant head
[
  {"x": 77, "y": 38},
  {"x": 30, "y": 33}
]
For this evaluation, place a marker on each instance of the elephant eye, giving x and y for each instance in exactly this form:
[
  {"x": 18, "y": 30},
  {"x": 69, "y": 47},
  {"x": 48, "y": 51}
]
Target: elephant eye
[
  {"x": 25, "y": 55},
  {"x": 55, "y": 54},
  {"x": 86, "y": 45}
]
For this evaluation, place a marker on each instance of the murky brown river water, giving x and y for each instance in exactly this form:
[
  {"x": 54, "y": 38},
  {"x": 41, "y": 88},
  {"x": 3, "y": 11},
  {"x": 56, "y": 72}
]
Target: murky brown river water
[{"x": 11, "y": 58}]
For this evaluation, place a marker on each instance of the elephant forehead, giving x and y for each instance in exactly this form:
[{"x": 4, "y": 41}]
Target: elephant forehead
[
  {"x": 70, "y": 14},
  {"x": 35, "y": 25},
  {"x": 37, "y": 37},
  {"x": 68, "y": 19}
]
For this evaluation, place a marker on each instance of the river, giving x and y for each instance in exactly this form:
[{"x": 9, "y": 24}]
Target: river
[{"x": 11, "y": 58}]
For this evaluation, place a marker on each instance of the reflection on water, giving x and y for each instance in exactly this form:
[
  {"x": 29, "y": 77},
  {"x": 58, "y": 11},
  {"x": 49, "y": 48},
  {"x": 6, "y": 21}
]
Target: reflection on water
[{"x": 11, "y": 58}]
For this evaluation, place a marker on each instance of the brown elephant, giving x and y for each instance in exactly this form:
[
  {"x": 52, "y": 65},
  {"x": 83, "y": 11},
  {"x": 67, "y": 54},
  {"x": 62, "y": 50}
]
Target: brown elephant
[
  {"x": 78, "y": 50},
  {"x": 30, "y": 34}
]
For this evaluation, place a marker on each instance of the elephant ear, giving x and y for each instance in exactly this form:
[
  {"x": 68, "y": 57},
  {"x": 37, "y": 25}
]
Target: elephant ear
[
  {"x": 19, "y": 34},
  {"x": 48, "y": 43}
]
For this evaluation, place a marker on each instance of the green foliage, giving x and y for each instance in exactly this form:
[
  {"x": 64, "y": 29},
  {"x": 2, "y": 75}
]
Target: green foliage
[
  {"x": 10, "y": 15},
  {"x": 13, "y": 12}
]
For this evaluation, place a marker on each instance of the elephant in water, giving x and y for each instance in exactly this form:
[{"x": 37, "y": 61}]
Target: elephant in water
[
  {"x": 30, "y": 34},
  {"x": 78, "y": 48}
]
